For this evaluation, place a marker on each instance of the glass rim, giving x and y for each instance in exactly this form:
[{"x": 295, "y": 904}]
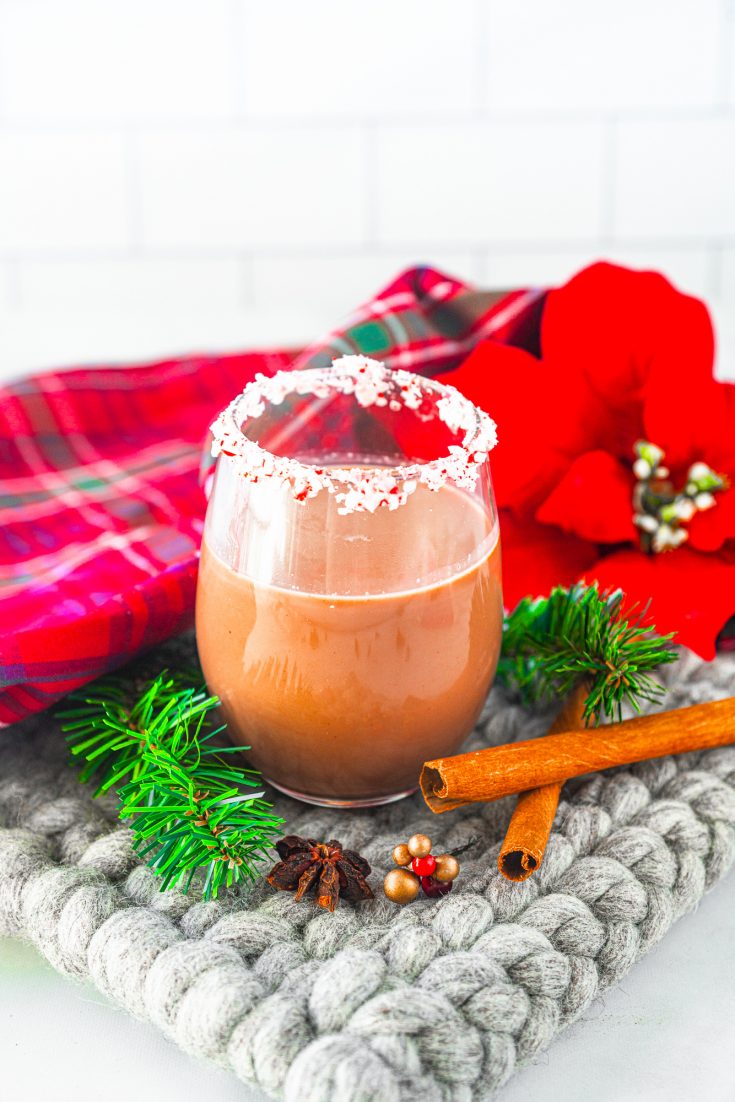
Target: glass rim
[{"x": 370, "y": 383}]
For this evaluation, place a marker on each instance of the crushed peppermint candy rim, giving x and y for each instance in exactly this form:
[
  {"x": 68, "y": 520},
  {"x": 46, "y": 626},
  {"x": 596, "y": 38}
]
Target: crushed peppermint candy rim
[{"x": 371, "y": 383}]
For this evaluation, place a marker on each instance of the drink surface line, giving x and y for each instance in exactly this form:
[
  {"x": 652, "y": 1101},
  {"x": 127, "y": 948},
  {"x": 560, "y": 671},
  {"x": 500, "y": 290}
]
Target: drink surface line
[{"x": 490, "y": 542}]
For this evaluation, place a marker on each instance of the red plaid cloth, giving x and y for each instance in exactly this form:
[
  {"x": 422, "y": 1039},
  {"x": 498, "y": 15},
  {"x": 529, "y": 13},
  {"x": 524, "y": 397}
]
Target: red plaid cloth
[{"x": 101, "y": 512}]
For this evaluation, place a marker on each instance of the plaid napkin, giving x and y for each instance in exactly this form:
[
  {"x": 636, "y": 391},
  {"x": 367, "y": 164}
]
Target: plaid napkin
[{"x": 101, "y": 512}]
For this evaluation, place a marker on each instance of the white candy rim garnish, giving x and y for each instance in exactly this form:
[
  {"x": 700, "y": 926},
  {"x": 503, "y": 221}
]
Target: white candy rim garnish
[{"x": 357, "y": 489}]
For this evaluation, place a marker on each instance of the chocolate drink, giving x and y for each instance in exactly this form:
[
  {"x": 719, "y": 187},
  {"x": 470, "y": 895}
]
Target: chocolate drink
[{"x": 378, "y": 658}]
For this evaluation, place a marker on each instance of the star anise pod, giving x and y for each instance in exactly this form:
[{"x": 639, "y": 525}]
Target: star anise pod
[{"x": 333, "y": 871}]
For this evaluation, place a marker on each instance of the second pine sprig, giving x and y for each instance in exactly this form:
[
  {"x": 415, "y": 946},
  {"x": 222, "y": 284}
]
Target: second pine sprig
[
  {"x": 580, "y": 635},
  {"x": 191, "y": 810}
]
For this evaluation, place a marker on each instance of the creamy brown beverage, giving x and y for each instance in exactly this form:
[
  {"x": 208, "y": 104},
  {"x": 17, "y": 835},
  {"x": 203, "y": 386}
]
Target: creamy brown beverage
[{"x": 346, "y": 677}]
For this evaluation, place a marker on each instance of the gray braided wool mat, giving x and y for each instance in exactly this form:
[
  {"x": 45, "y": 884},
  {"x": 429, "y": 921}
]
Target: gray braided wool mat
[{"x": 440, "y": 1000}]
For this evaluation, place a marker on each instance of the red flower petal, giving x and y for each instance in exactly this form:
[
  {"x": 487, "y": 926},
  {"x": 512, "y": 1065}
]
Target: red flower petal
[
  {"x": 615, "y": 335},
  {"x": 537, "y": 557},
  {"x": 690, "y": 593},
  {"x": 708, "y": 531},
  {"x": 514, "y": 387},
  {"x": 593, "y": 500},
  {"x": 692, "y": 422},
  {"x": 626, "y": 356}
]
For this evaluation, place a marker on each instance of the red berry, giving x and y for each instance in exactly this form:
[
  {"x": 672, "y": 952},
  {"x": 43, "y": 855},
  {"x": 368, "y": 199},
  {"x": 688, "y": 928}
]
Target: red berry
[
  {"x": 423, "y": 866},
  {"x": 435, "y": 888}
]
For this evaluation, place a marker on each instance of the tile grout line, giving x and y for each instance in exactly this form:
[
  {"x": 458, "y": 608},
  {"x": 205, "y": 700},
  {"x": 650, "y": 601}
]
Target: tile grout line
[
  {"x": 375, "y": 249},
  {"x": 134, "y": 194}
]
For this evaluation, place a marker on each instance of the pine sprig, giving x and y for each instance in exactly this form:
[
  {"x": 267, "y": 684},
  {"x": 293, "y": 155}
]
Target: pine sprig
[
  {"x": 577, "y": 635},
  {"x": 191, "y": 810}
]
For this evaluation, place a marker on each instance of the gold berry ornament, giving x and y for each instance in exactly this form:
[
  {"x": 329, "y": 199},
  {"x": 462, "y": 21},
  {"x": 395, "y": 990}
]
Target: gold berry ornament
[
  {"x": 402, "y": 854},
  {"x": 447, "y": 868},
  {"x": 418, "y": 868},
  {"x": 401, "y": 886},
  {"x": 419, "y": 845}
]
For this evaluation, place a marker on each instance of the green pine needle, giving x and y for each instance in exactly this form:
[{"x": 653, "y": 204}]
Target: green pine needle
[
  {"x": 191, "y": 810},
  {"x": 554, "y": 643}
]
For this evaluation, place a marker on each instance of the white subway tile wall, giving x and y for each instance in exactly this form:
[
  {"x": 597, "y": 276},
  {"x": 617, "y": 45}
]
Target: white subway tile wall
[
  {"x": 582, "y": 57},
  {"x": 175, "y": 154},
  {"x": 475, "y": 183},
  {"x": 332, "y": 285},
  {"x": 338, "y": 58},
  {"x": 675, "y": 176},
  {"x": 688, "y": 268},
  {"x": 132, "y": 283},
  {"x": 116, "y": 61},
  {"x": 260, "y": 187},
  {"x": 62, "y": 192}
]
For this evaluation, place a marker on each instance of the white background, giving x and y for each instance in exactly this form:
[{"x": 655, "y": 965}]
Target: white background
[
  {"x": 173, "y": 172},
  {"x": 179, "y": 175}
]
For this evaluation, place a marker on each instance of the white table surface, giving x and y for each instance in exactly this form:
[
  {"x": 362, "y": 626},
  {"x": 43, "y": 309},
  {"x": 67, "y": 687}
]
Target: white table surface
[{"x": 666, "y": 1034}]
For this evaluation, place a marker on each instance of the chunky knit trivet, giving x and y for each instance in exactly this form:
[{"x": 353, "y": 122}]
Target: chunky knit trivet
[{"x": 434, "y": 1002}]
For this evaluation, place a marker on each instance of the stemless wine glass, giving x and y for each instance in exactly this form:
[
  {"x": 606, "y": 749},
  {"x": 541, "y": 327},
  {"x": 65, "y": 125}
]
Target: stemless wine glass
[{"x": 349, "y": 606}]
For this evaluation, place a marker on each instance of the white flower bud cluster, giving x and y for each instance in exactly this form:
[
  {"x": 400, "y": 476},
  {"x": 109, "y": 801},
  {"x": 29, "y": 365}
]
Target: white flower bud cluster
[
  {"x": 660, "y": 514},
  {"x": 666, "y": 538}
]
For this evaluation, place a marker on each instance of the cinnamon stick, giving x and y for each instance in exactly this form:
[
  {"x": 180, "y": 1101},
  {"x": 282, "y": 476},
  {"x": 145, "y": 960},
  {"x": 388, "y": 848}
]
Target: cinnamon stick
[
  {"x": 483, "y": 775},
  {"x": 530, "y": 825}
]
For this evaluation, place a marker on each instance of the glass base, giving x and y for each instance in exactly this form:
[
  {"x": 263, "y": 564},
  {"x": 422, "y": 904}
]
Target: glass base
[{"x": 328, "y": 801}]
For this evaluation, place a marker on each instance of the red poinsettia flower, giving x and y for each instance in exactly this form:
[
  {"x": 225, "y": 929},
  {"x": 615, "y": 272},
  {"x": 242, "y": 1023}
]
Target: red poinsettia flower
[{"x": 624, "y": 356}]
